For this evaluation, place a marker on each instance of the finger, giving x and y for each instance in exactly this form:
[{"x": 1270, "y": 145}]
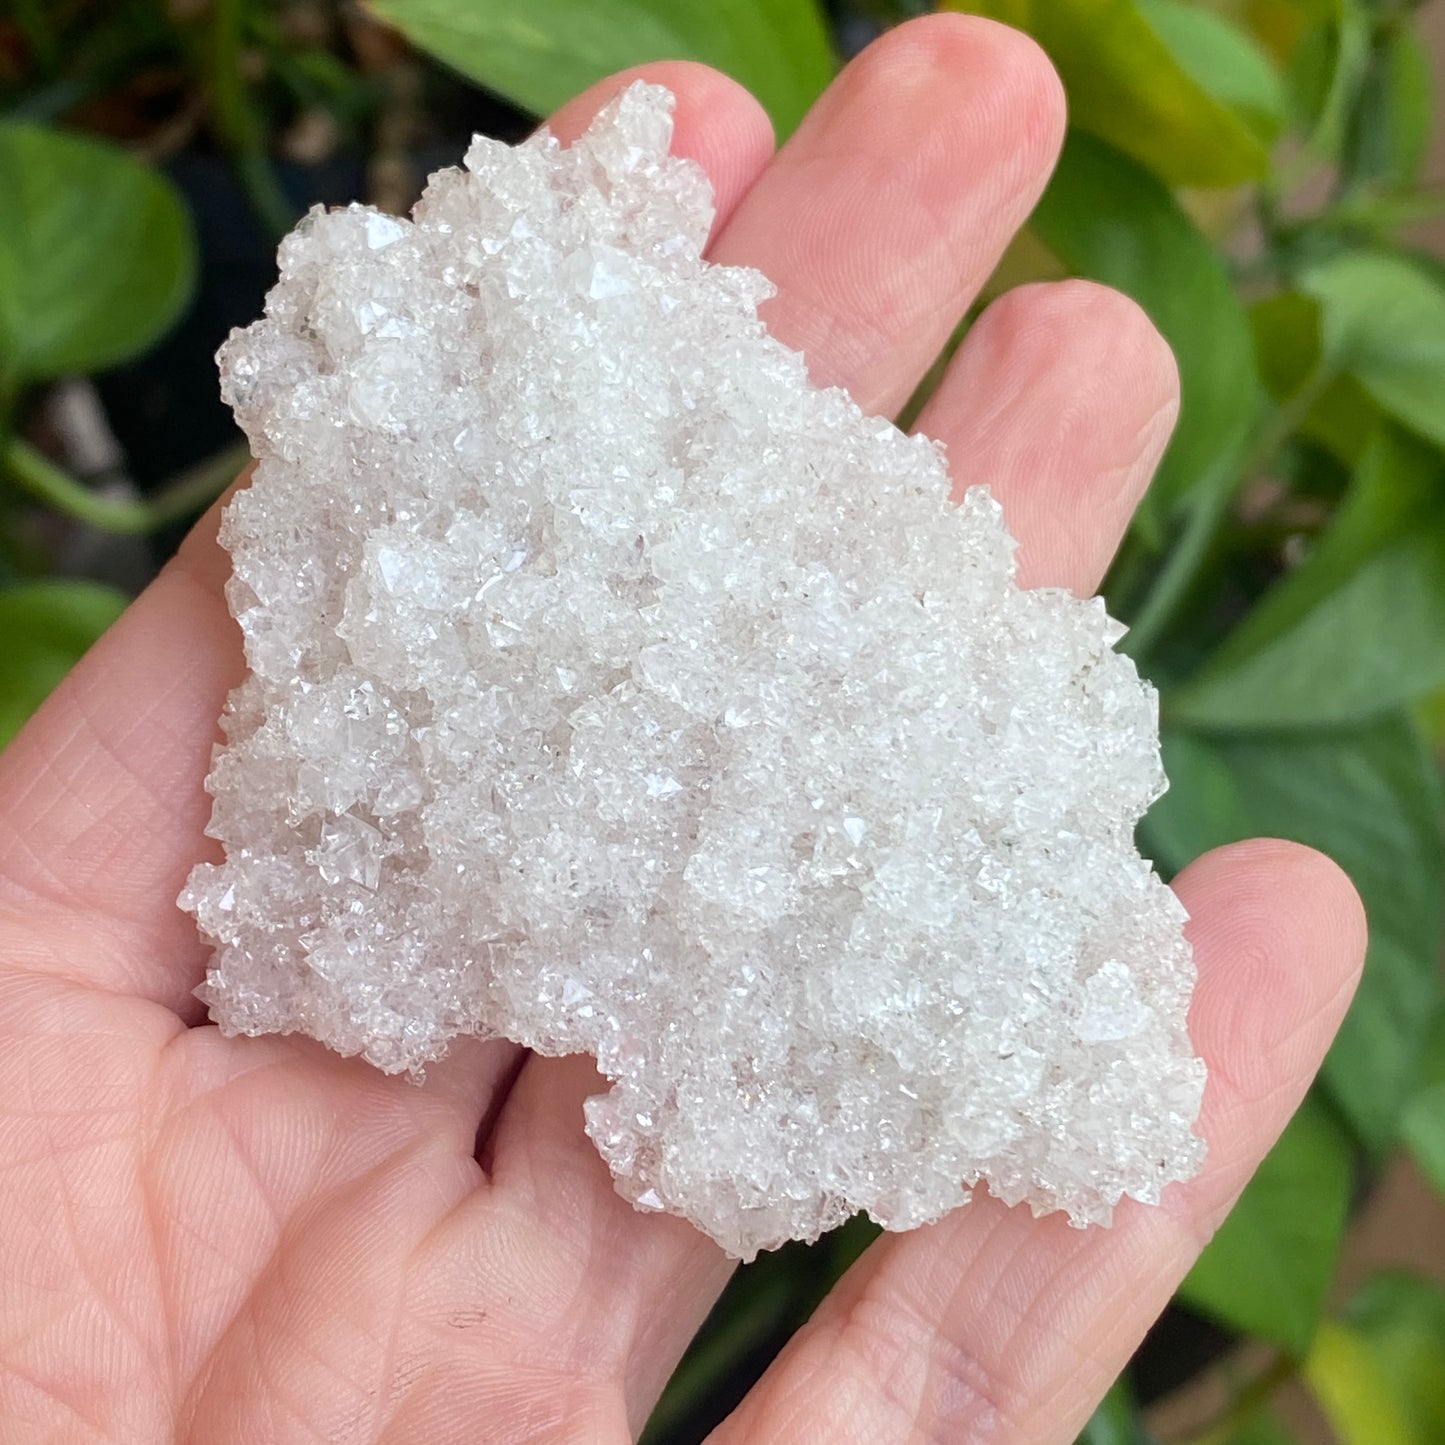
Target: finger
[
  {"x": 992, "y": 1324},
  {"x": 102, "y": 792},
  {"x": 103, "y": 787},
  {"x": 624, "y": 1290},
  {"x": 1061, "y": 399},
  {"x": 882, "y": 216}
]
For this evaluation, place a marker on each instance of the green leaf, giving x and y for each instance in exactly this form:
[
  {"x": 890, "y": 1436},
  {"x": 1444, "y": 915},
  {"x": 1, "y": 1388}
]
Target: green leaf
[
  {"x": 1368, "y": 796},
  {"x": 1267, "y": 1270},
  {"x": 1423, "y": 1126},
  {"x": 1378, "y": 1373},
  {"x": 97, "y": 256},
  {"x": 1287, "y": 341},
  {"x": 1352, "y": 1391},
  {"x": 45, "y": 627},
  {"x": 1126, "y": 87},
  {"x": 1313, "y": 651},
  {"x": 1225, "y": 61},
  {"x": 1108, "y": 219},
  {"x": 542, "y": 54},
  {"x": 1383, "y": 322},
  {"x": 1400, "y": 1318}
]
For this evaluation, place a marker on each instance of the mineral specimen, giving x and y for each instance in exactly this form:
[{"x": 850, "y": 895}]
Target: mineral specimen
[{"x": 612, "y": 689}]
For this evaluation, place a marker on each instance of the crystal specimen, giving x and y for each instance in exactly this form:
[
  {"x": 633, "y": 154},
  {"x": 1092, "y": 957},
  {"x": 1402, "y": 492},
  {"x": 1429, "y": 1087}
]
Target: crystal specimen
[{"x": 612, "y": 689}]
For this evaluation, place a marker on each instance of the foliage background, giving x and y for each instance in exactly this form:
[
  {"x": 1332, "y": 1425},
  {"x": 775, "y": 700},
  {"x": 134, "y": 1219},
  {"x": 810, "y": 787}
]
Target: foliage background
[{"x": 1246, "y": 169}]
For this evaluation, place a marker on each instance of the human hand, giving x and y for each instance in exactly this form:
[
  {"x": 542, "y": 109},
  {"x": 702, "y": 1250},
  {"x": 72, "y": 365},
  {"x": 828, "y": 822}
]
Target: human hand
[{"x": 226, "y": 1241}]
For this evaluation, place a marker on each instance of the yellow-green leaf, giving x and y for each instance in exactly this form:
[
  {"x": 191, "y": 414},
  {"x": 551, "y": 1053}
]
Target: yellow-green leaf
[
  {"x": 1126, "y": 86},
  {"x": 1400, "y": 1319},
  {"x": 1352, "y": 1391},
  {"x": 1224, "y": 59}
]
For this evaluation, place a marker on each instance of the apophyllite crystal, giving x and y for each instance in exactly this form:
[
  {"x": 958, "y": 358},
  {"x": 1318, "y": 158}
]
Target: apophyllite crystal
[{"x": 612, "y": 689}]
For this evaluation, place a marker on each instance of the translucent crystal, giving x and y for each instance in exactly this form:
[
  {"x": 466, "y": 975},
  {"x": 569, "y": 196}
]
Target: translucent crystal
[{"x": 612, "y": 689}]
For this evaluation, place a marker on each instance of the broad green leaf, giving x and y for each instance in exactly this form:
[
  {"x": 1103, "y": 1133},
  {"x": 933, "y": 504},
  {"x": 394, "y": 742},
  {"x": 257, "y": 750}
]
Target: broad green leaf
[
  {"x": 1268, "y": 1268},
  {"x": 1352, "y": 1391},
  {"x": 1423, "y": 1127},
  {"x": 543, "y": 53},
  {"x": 1400, "y": 1319},
  {"x": 1126, "y": 87},
  {"x": 44, "y": 629},
  {"x": 97, "y": 256},
  {"x": 1359, "y": 628},
  {"x": 1108, "y": 219},
  {"x": 1383, "y": 322},
  {"x": 1225, "y": 60},
  {"x": 1369, "y": 796}
]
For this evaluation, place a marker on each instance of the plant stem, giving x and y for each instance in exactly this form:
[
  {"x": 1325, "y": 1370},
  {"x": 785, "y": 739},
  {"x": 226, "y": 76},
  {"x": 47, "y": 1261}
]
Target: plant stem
[
  {"x": 32, "y": 472},
  {"x": 239, "y": 122},
  {"x": 1181, "y": 571},
  {"x": 1255, "y": 1395}
]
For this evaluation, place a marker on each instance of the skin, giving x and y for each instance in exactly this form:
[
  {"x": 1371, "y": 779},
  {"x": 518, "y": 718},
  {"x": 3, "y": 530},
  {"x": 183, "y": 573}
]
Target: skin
[{"x": 225, "y": 1241}]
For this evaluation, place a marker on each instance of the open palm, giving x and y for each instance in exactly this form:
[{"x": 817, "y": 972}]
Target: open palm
[{"x": 218, "y": 1241}]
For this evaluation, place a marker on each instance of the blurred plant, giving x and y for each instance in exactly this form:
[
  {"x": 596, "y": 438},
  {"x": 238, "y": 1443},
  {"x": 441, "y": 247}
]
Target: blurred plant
[{"x": 1246, "y": 170}]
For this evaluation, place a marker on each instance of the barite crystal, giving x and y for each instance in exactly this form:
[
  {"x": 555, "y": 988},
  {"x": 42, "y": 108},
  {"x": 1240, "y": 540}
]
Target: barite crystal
[{"x": 613, "y": 689}]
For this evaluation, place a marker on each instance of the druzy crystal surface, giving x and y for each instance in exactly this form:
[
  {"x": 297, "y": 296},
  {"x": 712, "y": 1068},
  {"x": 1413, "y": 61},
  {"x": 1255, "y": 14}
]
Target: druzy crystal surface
[{"x": 612, "y": 689}]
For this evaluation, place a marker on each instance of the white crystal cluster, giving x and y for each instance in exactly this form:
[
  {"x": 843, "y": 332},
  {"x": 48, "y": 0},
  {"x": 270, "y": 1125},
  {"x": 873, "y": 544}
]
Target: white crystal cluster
[{"x": 612, "y": 689}]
